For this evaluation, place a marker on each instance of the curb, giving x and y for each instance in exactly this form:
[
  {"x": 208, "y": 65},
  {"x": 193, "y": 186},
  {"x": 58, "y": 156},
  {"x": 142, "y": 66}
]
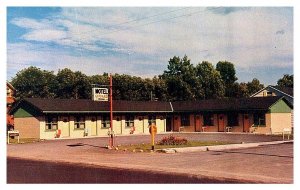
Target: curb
[{"x": 220, "y": 147}]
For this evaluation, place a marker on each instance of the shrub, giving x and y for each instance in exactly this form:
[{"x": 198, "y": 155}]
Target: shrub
[{"x": 172, "y": 140}]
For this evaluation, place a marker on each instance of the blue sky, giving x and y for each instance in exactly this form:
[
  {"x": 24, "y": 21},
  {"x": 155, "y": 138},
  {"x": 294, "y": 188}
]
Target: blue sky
[{"x": 140, "y": 41}]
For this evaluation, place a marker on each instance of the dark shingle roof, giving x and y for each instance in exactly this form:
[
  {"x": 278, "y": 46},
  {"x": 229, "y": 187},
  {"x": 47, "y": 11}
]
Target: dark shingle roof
[
  {"x": 287, "y": 90},
  {"x": 228, "y": 104},
  {"x": 85, "y": 105}
]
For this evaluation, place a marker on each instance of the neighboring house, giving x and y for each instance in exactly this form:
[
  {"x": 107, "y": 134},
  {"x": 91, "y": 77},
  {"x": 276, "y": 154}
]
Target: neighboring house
[
  {"x": 41, "y": 118},
  {"x": 286, "y": 92},
  {"x": 10, "y": 92}
]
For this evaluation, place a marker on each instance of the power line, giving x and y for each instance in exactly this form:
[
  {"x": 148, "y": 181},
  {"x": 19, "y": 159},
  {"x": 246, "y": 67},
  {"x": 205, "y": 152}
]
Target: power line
[
  {"x": 131, "y": 21},
  {"x": 170, "y": 18},
  {"x": 79, "y": 42}
]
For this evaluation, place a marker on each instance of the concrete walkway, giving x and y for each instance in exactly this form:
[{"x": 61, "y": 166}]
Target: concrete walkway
[{"x": 220, "y": 147}]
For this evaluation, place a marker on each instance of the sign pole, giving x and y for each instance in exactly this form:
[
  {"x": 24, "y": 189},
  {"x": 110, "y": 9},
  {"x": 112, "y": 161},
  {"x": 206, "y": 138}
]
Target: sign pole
[
  {"x": 152, "y": 131},
  {"x": 111, "y": 113}
]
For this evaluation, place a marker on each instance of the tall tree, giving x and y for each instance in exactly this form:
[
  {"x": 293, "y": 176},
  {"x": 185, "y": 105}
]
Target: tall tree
[
  {"x": 72, "y": 84},
  {"x": 181, "y": 79},
  {"x": 160, "y": 89},
  {"x": 210, "y": 81},
  {"x": 82, "y": 87},
  {"x": 227, "y": 72},
  {"x": 33, "y": 82},
  {"x": 286, "y": 81}
]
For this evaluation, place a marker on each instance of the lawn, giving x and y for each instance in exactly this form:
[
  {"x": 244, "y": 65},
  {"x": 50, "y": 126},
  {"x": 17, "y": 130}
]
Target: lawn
[
  {"x": 22, "y": 141},
  {"x": 147, "y": 147}
]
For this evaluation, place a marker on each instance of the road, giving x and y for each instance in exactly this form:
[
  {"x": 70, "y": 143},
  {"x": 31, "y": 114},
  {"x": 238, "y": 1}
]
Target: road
[{"x": 66, "y": 161}]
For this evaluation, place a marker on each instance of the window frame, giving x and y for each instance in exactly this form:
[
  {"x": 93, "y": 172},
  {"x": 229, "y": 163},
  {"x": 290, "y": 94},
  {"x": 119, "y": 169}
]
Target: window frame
[
  {"x": 206, "y": 118},
  {"x": 232, "y": 119},
  {"x": 151, "y": 119},
  {"x": 185, "y": 120},
  {"x": 79, "y": 122},
  {"x": 105, "y": 121},
  {"x": 129, "y": 121},
  {"x": 50, "y": 122},
  {"x": 258, "y": 117}
]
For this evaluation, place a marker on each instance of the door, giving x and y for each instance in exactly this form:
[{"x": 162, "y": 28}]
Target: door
[
  {"x": 198, "y": 123},
  {"x": 169, "y": 123},
  {"x": 221, "y": 124},
  {"x": 93, "y": 126},
  {"x": 246, "y": 123},
  {"x": 65, "y": 126}
]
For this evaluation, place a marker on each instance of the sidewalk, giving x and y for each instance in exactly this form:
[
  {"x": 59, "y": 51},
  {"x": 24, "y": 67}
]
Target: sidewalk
[{"x": 220, "y": 147}]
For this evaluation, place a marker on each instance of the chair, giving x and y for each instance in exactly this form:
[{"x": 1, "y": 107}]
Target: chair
[{"x": 58, "y": 133}]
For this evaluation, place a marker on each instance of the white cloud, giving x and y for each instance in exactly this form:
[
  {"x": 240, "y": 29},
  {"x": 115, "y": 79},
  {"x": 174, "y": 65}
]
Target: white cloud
[
  {"x": 45, "y": 35},
  {"x": 247, "y": 38}
]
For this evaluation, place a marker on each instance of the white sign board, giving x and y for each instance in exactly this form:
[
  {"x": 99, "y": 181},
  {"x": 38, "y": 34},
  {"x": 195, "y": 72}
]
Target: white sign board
[{"x": 100, "y": 94}]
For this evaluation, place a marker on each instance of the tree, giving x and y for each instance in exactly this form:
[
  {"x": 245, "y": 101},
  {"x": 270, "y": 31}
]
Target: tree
[
  {"x": 254, "y": 86},
  {"x": 82, "y": 88},
  {"x": 180, "y": 78},
  {"x": 72, "y": 84},
  {"x": 227, "y": 72},
  {"x": 160, "y": 89},
  {"x": 286, "y": 81},
  {"x": 210, "y": 81},
  {"x": 241, "y": 90},
  {"x": 33, "y": 82}
]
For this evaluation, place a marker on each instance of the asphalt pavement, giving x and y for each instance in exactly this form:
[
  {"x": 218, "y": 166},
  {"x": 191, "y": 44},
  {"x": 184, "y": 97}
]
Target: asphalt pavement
[{"x": 86, "y": 161}]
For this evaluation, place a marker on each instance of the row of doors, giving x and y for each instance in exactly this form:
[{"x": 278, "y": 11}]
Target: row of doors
[{"x": 221, "y": 123}]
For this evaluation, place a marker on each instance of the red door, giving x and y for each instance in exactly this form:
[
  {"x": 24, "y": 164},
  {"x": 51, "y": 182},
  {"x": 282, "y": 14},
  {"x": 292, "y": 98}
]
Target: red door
[
  {"x": 221, "y": 123},
  {"x": 246, "y": 123},
  {"x": 198, "y": 123}
]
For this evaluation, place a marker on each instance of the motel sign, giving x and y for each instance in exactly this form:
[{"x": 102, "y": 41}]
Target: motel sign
[{"x": 100, "y": 94}]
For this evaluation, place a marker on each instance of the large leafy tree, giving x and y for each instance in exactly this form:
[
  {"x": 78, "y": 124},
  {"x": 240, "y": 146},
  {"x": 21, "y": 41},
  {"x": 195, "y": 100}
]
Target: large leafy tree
[
  {"x": 227, "y": 72},
  {"x": 33, "y": 82},
  {"x": 72, "y": 84},
  {"x": 286, "y": 81},
  {"x": 210, "y": 81},
  {"x": 180, "y": 78},
  {"x": 160, "y": 89}
]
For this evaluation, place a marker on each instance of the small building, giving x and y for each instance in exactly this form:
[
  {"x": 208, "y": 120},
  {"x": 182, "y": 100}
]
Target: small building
[
  {"x": 10, "y": 99},
  {"x": 286, "y": 92},
  {"x": 41, "y": 118}
]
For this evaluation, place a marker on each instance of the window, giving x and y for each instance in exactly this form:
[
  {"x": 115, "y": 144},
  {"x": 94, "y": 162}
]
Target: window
[
  {"x": 105, "y": 123},
  {"x": 51, "y": 122},
  {"x": 259, "y": 119},
  {"x": 185, "y": 120},
  {"x": 208, "y": 119},
  {"x": 79, "y": 122},
  {"x": 233, "y": 119},
  {"x": 269, "y": 93},
  {"x": 129, "y": 121},
  {"x": 152, "y": 119}
]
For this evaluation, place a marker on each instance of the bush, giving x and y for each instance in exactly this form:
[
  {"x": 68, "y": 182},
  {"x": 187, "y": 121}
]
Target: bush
[{"x": 172, "y": 140}]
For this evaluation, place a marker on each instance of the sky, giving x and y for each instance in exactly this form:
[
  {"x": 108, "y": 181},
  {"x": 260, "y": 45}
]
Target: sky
[{"x": 140, "y": 41}]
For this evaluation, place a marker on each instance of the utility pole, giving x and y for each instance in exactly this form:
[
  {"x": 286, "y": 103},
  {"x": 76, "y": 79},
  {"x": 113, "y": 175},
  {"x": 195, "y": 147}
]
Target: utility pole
[{"x": 111, "y": 113}]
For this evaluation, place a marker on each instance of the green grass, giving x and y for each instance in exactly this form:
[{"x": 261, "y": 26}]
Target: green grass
[
  {"x": 23, "y": 140},
  {"x": 147, "y": 147}
]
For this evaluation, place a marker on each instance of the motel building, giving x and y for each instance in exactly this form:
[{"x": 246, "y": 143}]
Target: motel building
[{"x": 81, "y": 118}]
